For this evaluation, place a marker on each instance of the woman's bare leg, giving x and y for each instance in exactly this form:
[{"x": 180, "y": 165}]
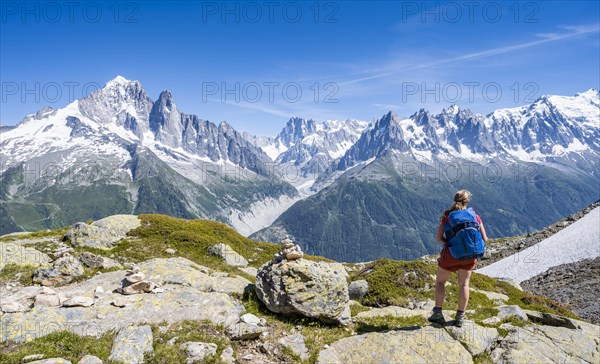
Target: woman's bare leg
[
  {"x": 463, "y": 288},
  {"x": 440, "y": 288}
]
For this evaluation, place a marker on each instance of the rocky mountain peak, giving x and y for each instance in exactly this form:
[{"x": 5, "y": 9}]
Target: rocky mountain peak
[{"x": 296, "y": 129}]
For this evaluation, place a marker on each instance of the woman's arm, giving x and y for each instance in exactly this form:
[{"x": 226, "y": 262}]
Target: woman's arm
[
  {"x": 483, "y": 234},
  {"x": 440, "y": 233}
]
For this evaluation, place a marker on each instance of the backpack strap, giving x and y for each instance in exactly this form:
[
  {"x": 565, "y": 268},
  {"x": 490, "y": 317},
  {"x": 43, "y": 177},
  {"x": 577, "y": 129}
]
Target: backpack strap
[{"x": 464, "y": 225}]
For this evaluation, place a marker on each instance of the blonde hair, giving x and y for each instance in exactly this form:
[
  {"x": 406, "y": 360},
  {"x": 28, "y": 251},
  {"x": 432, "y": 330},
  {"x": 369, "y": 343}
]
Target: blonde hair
[{"x": 461, "y": 200}]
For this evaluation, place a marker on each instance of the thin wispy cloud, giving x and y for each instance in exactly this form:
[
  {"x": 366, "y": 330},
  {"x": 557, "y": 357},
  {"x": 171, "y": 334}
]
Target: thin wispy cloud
[{"x": 574, "y": 31}]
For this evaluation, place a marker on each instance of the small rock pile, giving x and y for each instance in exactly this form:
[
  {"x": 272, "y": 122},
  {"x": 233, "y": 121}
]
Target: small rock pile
[
  {"x": 135, "y": 282},
  {"x": 289, "y": 251}
]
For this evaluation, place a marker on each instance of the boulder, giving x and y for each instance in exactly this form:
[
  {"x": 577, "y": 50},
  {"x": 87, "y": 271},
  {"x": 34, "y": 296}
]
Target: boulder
[
  {"x": 98, "y": 261},
  {"x": 229, "y": 256},
  {"x": 62, "y": 271},
  {"x": 197, "y": 351},
  {"x": 182, "y": 271},
  {"x": 549, "y": 319},
  {"x": 131, "y": 344},
  {"x": 227, "y": 355},
  {"x": 90, "y": 359},
  {"x": 244, "y": 331},
  {"x": 13, "y": 306},
  {"x": 511, "y": 311},
  {"x": 32, "y": 357},
  {"x": 306, "y": 288},
  {"x": 90, "y": 260},
  {"x": 11, "y": 253},
  {"x": 250, "y": 319},
  {"x": 422, "y": 345},
  {"x": 78, "y": 301},
  {"x": 295, "y": 343},
  {"x": 497, "y": 298},
  {"x": 51, "y": 361},
  {"x": 358, "y": 289},
  {"x": 48, "y": 300},
  {"x": 102, "y": 234},
  {"x": 249, "y": 270}
]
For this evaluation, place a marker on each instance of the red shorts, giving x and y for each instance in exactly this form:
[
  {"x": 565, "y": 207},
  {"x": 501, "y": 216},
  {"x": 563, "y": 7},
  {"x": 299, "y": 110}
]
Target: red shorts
[{"x": 447, "y": 262}]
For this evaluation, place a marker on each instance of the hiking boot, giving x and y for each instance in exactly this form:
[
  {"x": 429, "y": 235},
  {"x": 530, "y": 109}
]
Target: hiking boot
[
  {"x": 459, "y": 320},
  {"x": 437, "y": 317}
]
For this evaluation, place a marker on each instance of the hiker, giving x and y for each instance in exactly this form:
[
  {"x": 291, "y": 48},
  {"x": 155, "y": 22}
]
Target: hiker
[{"x": 463, "y": 235}]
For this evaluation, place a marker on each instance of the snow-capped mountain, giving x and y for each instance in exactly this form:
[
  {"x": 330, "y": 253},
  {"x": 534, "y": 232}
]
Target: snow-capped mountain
[
  {"x": 305, "y": 148},
  {"x": 528, "y": 166},
  {"x": 141, "y": 156},
  {"x": 552, "y": 129}
]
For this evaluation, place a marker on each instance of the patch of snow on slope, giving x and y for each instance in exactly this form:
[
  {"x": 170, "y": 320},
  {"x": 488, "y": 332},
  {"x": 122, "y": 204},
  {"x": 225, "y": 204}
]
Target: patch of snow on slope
[{"x": 576, "y": 242}]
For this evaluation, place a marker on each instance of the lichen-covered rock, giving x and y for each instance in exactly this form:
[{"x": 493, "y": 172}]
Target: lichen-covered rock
[
  {"x": 197, "y": 351},
  {"x": 244, "y": 331},
  {"x": 90, "y": 359},
  {"x": 477, "y": 339},
  {"x": 97, "y": 261},
  {"x": 11, "y": 253},
  {"x": 511, "y": 311},
  {"x": 423, "y": 345},
  {"x": 182, "y": 271},
  {"x": 104, "y": 233},
  {"x": 497, "y": 298},
  {"x": 78, "y": 301},
  {"x": 229, "y": 256},
  {"x": 131, "y": 344},
  {"x": 549, "y": 344},
  {"x": 12, "y": 307},
  {"x": 307, "y": 288},
  {"x": 51, "y": 361},
  {"x": 358, "y": 289},
  {"x": 62, "y": 271},
  {"x": 227, "y": 355},
  {"x": 295, "y": 342},
  {"x": 549, "y": 319},
  {"x": 189, "y": 294}
]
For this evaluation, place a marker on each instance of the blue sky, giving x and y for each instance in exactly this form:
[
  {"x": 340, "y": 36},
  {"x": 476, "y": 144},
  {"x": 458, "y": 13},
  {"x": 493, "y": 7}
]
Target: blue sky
[{"x": 364, "y": 58}]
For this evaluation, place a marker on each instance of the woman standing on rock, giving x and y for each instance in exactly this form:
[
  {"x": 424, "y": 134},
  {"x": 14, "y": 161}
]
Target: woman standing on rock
[{"x": 463, "y": 235}]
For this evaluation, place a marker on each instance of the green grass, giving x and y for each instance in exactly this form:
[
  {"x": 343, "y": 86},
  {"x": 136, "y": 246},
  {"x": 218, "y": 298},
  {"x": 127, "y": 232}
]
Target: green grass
[
  {"x": 396, "y": 282},
  {"x": 484, "y": 358},
  {"x": 37, "y": 234},
  {"x": 202, "y": 331},
  {"x": 357, "y": 308},
  {"x": 61, "y": 344},
  {"x": 383, "y": 323},
  {"x": 10, "y": 271}
]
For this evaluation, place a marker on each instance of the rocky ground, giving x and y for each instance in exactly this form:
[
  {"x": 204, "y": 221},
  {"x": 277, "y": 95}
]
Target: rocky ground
[
  {"x": 575, "y": 285},
  {"x": 155, "y": 289}
]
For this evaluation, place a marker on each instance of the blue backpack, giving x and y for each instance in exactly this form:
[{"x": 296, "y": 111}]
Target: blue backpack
[{"x": 463, "y": 237}]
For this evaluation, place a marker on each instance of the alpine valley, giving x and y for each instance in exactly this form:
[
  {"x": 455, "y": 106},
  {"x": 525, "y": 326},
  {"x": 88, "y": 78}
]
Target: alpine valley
[{"x": 348, "y": 190}]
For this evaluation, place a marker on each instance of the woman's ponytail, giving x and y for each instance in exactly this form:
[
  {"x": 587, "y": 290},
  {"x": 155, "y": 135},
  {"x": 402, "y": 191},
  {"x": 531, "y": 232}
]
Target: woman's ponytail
[{"x": 461, "y": 200}]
